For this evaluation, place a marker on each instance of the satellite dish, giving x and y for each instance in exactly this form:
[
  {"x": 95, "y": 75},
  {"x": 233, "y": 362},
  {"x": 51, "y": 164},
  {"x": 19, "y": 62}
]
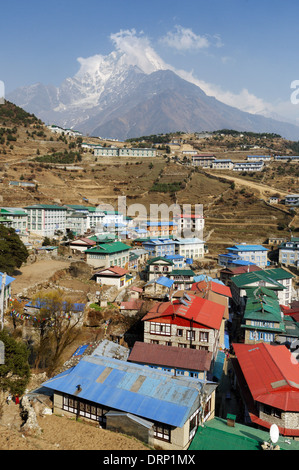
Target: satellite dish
[{"x": 274, "y": 433}]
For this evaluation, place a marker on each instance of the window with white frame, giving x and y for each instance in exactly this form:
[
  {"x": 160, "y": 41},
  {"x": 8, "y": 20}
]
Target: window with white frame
[{"x": 160, "y": 328}]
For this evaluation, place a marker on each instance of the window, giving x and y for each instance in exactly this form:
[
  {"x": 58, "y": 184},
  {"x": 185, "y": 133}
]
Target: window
[
  {"x": 204, "y": 336},
  {"x": 193, "y": 424},
  {"x": 160, "y": 329},
  {"x": 191, "y": 335},
  {"x": 85, "y": 409},
  {"x": 162, "y": 432},
  {"x": 179, "y": 332}
]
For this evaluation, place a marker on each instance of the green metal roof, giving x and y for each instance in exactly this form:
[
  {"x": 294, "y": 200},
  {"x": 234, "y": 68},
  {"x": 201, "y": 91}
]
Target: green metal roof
[
  {"x": 279, "y": 273},
  {"x": 217, "y": 435},
  {"x": 158, "y": 258},
  {"x": 108, "y": 248},
  {"x": 253, "y": 292},
  {"x": 182, "y": 272},
  {"x": 243, "y": 280},
  {"x": 46, "y": 206}
]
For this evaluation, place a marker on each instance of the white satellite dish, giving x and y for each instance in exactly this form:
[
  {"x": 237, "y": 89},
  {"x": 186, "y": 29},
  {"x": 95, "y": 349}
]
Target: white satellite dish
[{"x": 274, "y": 433}]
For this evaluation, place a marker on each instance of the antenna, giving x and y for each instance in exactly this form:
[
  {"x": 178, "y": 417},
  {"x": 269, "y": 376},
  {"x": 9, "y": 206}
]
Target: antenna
[{"x": 274, "y": 433}]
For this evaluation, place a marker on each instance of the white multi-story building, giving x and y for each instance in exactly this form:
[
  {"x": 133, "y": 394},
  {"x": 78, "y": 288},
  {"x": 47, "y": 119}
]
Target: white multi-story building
[
  {"x": 124, "y": 152},
  {"x": 193, "y": 248},
  {"x": 190, "y": 224},
  {"x": 105, "y": 151},
  {"x": 137, "y": 152},
  {"x": 222, "y": 164},
  {"x": 258, "y": 158},
  {"x": 17, "y": 216},
  {"x": 248, "y": 166},
  {"x": 292, "y": 200},
  {"x": 46, "y": 219}
]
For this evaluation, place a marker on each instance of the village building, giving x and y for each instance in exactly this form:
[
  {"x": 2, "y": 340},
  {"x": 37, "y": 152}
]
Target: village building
[
  {"x": 137, "y": 152},
  {"x": 216, "y": 292},
  {"x": 248, "y": 166},
  {"x": 190, "y": 224},
  {"x": 81, "y": 244},
  {"x": 277, "y": 279},
  {"x": 182, "y": 278},
  {"x": 258, "y": 158},
  {"x": 46, "y": 219},
  {"x": 17, "y": 218},
  {"x": 268, "y": 381},
  {"x": 292, "y": 200},
  {"x": 289, "y": 252},
  {"x": 156, "y": 267},
  {"x": 158, "y": 289},
  {"x": 77, "y": 223},
  {"x": 176, "y": 361},
  {"x": 112, "y": 276},
  {"x": 108, "y": 254},
  {"x": 151, "y": 405},
  {"x": 287, "y": 158},
  {"x": 227, "y": 434},
  {"x": 160, "y": 229},
  {"x": 228, "y": 272},
  {"x": 188, "y": 322},
  {"x": 190, "y": 248},
  {"x": 262, "y": 320},
  {"x": 203, "y": 160},
  {"x": 111, "y": 151},
  {"x": 255, "y": 254},
  {"x": 222, "y": 164},
  {"x": 159, "y": 246}
]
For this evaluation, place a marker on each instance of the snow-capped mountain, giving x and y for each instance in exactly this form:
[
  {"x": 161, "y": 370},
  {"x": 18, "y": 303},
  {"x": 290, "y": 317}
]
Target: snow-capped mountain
[{"x": 124, "y": 95}]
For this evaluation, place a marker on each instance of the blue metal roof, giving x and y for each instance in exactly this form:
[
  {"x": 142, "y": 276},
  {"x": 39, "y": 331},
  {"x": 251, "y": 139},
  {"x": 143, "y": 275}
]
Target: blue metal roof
[
  {"x": 8, "y": 279},
  {"x": 248, "y": 248},
  {"x": 65, "y": 305},
  {"x": 165, "y": 281},
  {"x": 204, "y": 277},
  {"x": 148, "y": 393}
]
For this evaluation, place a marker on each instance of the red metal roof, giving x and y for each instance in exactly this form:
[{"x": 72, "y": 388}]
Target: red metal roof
[
  {"x": 204, "y": 286},
  {"x": 242, "y": 269},
  {"x": 131, "y": 304},
  {"x": 202, "y": 311},
  {"x": 170, "y": 356},
  {"x": 113, "y": 270},
  {"x": 271, "y": 373},
  {"x": 85, "y": 241}
]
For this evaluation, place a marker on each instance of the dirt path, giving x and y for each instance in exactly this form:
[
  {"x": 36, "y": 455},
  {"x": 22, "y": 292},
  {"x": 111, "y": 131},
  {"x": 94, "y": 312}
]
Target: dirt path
[
  {"x": 262, "y": 188},
  {"x": 35, "y": 273}
]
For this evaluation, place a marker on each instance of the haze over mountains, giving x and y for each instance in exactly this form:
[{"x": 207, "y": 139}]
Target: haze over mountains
[{"x": 121, "y": 96}]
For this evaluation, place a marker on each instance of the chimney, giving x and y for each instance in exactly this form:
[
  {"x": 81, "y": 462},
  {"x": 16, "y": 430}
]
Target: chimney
[{"x": 230, "y": 420}]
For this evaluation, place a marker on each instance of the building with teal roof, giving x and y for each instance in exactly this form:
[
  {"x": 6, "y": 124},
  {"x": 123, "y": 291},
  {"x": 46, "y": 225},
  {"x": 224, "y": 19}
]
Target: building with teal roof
[
  {"x": 219, "y": 434},
  {"x": 108, "y": 254}
]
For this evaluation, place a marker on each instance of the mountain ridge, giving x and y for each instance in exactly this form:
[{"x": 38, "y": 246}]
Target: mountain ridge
[{"x": 105, "y": 98}]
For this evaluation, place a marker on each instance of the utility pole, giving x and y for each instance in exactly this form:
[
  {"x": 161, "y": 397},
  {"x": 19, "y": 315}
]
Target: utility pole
[{"x": 2, "y": 299}]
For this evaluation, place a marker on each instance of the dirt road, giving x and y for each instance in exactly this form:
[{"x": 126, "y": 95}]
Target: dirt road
[{"x": 264, "y": 189}]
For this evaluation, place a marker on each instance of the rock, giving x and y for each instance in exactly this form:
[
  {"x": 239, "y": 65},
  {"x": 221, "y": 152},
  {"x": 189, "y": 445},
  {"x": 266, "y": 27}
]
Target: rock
[{"x": 31, "y": 425}]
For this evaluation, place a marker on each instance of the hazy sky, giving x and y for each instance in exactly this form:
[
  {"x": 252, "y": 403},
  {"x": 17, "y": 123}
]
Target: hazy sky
[{"x": 244, "y": 52}]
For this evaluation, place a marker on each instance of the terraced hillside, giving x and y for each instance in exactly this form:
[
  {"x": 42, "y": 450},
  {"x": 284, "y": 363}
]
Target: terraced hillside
[{"x": 61, "y": 171}]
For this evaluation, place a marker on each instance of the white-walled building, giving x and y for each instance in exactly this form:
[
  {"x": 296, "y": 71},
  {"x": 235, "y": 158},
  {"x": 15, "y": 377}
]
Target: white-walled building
[
  {"x": 193, "y": 248},
  {"x": 46, "y": 219}
]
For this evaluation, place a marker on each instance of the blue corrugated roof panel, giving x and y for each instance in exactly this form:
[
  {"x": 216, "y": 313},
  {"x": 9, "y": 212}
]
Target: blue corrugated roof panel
[
  {"x": 165, "y": 281},
  {"x": 128, "y": 387}
]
